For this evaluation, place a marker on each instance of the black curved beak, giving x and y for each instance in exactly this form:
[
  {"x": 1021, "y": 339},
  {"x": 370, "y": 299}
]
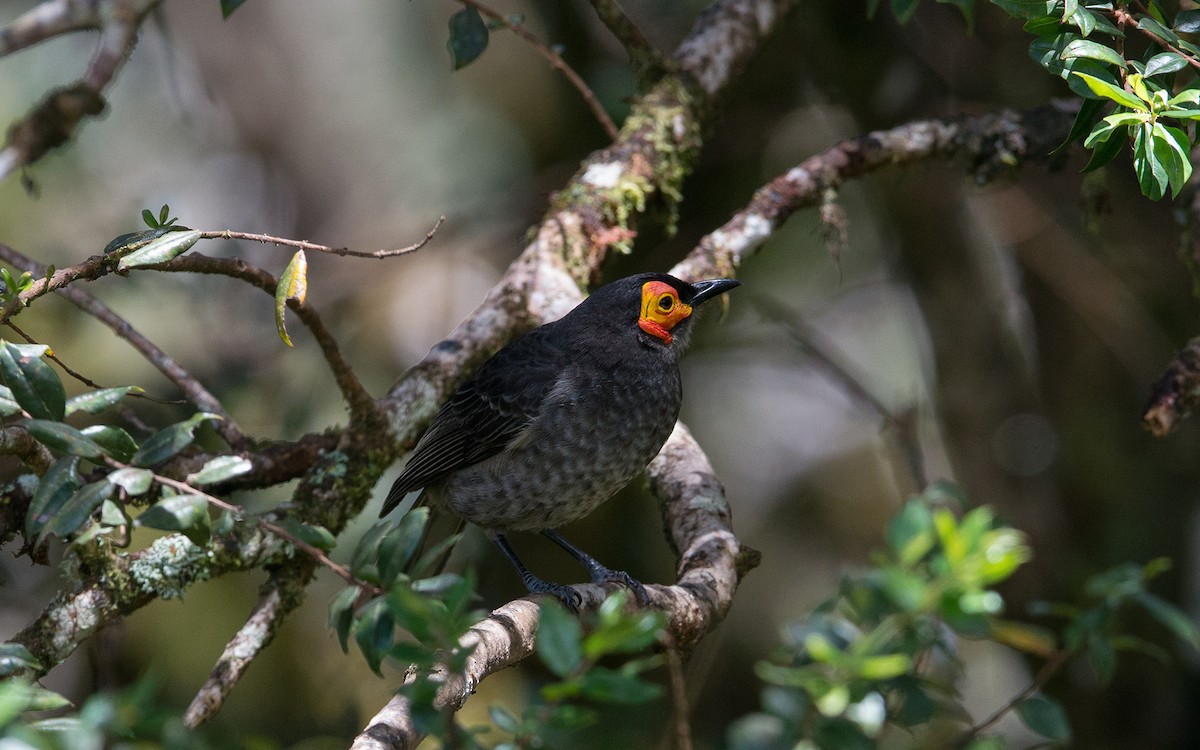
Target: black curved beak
[{"x": 706, "y": 290}]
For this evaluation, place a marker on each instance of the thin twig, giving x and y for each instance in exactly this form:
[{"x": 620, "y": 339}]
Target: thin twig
[
  {"x": 1047, "y": 671},
  {"x": 824, "y": 353},
  {"x": 266, "y": 239},
  {"x": 555, "y": 61}
]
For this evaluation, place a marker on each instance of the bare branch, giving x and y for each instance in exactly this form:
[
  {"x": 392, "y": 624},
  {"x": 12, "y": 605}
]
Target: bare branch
[
  {"x": 995, "y": 144},
  {"x": 53, "y": 121}
]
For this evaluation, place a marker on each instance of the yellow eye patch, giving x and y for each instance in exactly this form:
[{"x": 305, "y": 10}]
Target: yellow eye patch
[{"x": 661, "y": 309}]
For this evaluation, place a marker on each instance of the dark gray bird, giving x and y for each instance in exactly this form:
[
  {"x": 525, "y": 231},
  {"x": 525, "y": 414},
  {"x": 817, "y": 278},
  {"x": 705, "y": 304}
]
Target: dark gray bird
[{"x": 561, "y": 418}]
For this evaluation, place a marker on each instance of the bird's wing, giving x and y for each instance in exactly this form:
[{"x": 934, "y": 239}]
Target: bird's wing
[{"x": 485, "y": 414}]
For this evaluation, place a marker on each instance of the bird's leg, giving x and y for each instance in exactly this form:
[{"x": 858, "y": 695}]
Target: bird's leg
[
  {"x": 565, "y": 594},
  {"x": 599, "y": 573}
]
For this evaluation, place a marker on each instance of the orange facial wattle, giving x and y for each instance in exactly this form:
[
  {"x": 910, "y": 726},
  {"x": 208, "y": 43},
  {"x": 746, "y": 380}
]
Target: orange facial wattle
[{"x": 661, "y": 310}]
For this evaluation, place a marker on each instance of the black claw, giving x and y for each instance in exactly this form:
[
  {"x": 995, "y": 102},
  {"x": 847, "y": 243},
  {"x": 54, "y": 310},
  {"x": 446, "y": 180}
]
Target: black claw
[
  {"x": 604, "y": 575},
  {"x": 568, "y": 596}
]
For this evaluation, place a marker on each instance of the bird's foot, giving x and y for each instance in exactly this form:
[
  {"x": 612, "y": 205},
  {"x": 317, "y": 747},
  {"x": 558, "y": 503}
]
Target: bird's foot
[
  {"x": 568, "y": 596},
  {"x": 601, "y": 574}
]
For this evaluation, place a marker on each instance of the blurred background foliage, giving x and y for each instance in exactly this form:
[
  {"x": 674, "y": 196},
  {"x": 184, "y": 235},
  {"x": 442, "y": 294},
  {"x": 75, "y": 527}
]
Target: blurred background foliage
[{"x": 1022, "y": 322}]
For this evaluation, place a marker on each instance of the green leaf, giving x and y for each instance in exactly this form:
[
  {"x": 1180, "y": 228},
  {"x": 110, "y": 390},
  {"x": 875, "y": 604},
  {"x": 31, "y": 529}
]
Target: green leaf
[
  {"x": 187, "y": 514},
  {"x": 559, "y": 639},
  {"x": 374, "y": 631},
  {"x": 97, "y": 401},
  {"x": 883, "y": 667},
  {"x": 1092, "y": 50},
  {"x": 1175, "y": 619},
  {"x": 1069, "y": 8},
  {"x": 115, "y": 441},
  {"x": 161, "y": 250},
  {"x": 629, "y": 633},
  {"x": 1165, "y": 62},
  {"x": 229, "y": 6},
  {"x": 76, "y": 511},
  {"x": 1046, "y": 717},
  {"x": 14, "y": 656},
  {"x": 400, "y": 543},
  {"x": 33, "y": 383},
  {"x": 54, "y": 489},
  {"x": 1172, "y": 147},
  {"x": 1109, "y": 91},
  {"x": 134, "y": 481},
  {"x": 468, "y": 37},
  {"x": 910, "y": 534},
  {"x": 606, "y": 686},
  {"x": 62, "y": 437},
  {"x": 1147, "y": 23},
  {"x": 1188, "y": 22},
  {"x": 363, "y": 563},
  {"x": 293, "y": 285},
  {"x": 220, "y": 469},
  {"x": 148, "y": 217},
  {"x": 169, "y": 440},
  {"x": 341, "y": 615},
  {"x": 127, "y": 243},
  {"x": 1104, "y": 150},
  {"x": 312, "y": 534}
]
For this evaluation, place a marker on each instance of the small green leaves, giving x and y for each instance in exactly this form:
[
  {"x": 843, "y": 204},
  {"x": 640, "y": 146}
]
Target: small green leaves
[
  {"x": 11, "y": 287},
  {"x": 33, "y": 384},
  {"x": 468, "y": 37},
  {"x": 341, "y": 615},
  {"x": 169, "y": 441},
  {"x": 293, "y": 285},
  {"x": 187, "y": 514},
  {"x": 160, "y": 250},
  {"x": 162, "y": 220}
]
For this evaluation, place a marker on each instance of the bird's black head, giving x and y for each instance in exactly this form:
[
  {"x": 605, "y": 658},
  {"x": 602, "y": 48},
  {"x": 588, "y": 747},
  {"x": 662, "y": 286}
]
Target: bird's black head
[{"x": 657, "y": 305}]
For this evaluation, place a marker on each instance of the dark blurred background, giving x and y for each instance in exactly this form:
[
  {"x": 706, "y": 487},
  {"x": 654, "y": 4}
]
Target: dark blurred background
[{"x": 1023, "y": 321}]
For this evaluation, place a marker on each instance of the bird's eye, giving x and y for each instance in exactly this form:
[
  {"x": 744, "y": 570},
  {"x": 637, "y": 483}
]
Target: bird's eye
[{"x": 666, "y": 302}]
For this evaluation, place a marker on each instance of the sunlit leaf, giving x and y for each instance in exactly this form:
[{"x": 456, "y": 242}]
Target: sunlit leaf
[
  {"x": 116, "y": 442},
  {"x": 293, "y": 285},
  {"x": 97, "y": 401},
  {"x": 1109, "y": 91},
  {"x": 160, "y": 250},
  {"x": 220, "y": 469}
]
